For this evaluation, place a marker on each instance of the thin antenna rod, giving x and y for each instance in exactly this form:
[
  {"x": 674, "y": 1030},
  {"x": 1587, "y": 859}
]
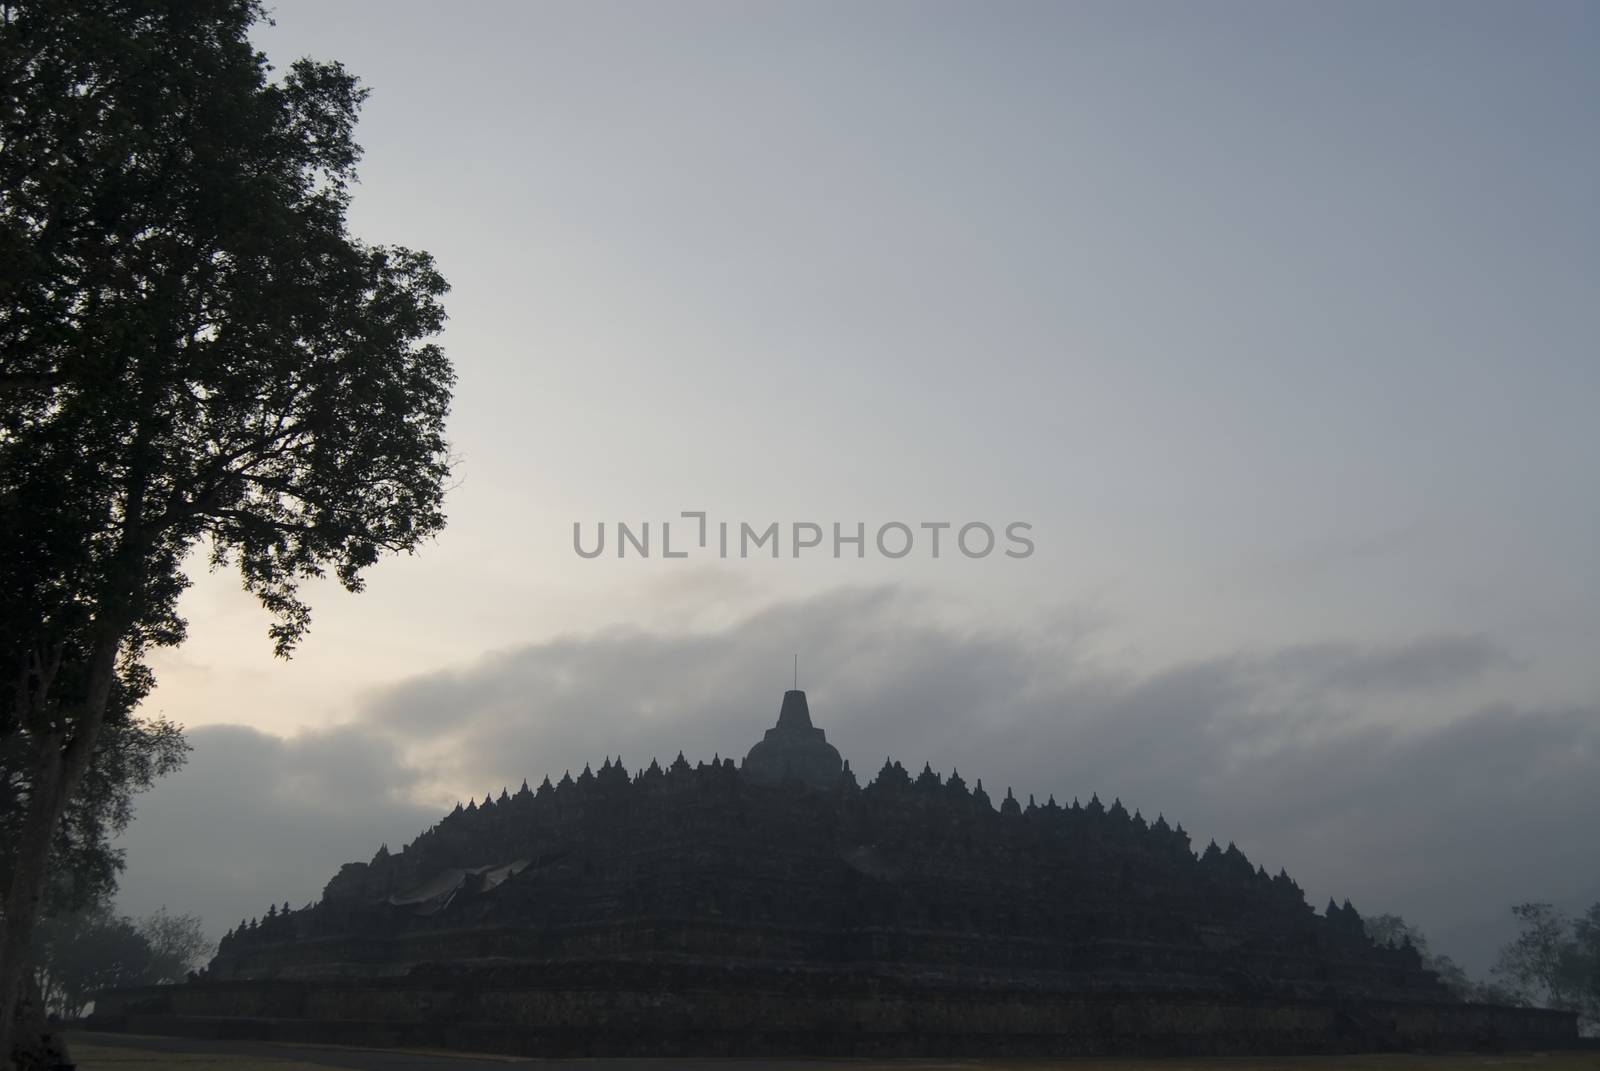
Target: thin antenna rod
[{"x": 797, "y": 671}]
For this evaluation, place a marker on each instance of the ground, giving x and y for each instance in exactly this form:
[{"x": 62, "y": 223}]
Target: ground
[{"x": 120, "y": 1052}]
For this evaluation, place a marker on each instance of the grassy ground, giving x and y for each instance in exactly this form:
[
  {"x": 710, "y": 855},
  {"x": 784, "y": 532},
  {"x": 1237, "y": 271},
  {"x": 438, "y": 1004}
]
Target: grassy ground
[
  {"x": 101, "y": 1054},
  {"x": 109, "y": 1058}
]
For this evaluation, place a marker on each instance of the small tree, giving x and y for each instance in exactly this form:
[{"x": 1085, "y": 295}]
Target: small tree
[
  {"x": 1544, "y": 965},
  {"x": 1394, "y": 930},
  {"x": 178, "y": 945},
  {"x": 84, "y": 951},
  {"x": 193, "y": 349},
  {"x": 81, "y": 953},
  {"x": 1586, "y": 934}
]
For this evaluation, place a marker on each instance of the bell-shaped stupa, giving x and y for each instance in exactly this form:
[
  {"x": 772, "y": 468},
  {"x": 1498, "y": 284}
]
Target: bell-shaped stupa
[{"x": 794, "y": 749}]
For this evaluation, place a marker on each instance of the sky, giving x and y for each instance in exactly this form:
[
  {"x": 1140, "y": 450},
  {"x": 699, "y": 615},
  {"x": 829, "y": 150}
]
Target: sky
[{"x": 1275, "y": 324}]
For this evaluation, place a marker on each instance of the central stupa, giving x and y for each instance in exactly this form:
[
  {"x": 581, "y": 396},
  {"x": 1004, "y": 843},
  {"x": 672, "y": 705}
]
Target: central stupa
[{"x": 794, "y": 749}]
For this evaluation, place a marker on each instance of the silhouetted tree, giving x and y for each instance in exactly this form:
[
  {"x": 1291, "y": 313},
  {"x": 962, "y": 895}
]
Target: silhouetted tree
[
  {"x": 1394, "y": 931},
  {"x": 92, "y": 949},
  {"x": 1586, "y": 935},
  {"x": 82, "y": 952},
  {"x": 131, "y": 754},
  {"x": 178, "y": 944},
  {"x": 1552, "y": 962},
  {"x": 192, "y": 347}
]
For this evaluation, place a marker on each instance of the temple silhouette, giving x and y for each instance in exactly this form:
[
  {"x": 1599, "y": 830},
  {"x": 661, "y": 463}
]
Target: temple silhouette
[{"x": 781, "y": 907}]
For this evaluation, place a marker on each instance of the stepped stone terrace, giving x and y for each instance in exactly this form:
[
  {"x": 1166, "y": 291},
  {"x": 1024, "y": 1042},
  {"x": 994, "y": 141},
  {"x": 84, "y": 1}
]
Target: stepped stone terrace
[{"x": 781, "y": 907}]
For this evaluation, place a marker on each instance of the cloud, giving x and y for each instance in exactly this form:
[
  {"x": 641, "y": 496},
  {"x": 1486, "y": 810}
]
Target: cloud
[
  {"x": 1293, "y": 753},
  {"x": 1429, "y": 662},
  {"x": 255, "y": 819}
]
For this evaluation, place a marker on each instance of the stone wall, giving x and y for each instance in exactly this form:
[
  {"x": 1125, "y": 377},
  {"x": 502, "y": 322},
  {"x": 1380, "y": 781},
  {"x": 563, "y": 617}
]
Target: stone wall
[{"x": 655, "y": 1009}]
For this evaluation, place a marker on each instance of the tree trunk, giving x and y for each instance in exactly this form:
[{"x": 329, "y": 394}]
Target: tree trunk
[{"x": 62, "y": 764}]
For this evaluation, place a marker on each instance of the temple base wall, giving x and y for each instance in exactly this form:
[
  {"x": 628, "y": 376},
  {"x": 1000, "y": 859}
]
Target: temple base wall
[{"x": 781, "y": 1016}]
